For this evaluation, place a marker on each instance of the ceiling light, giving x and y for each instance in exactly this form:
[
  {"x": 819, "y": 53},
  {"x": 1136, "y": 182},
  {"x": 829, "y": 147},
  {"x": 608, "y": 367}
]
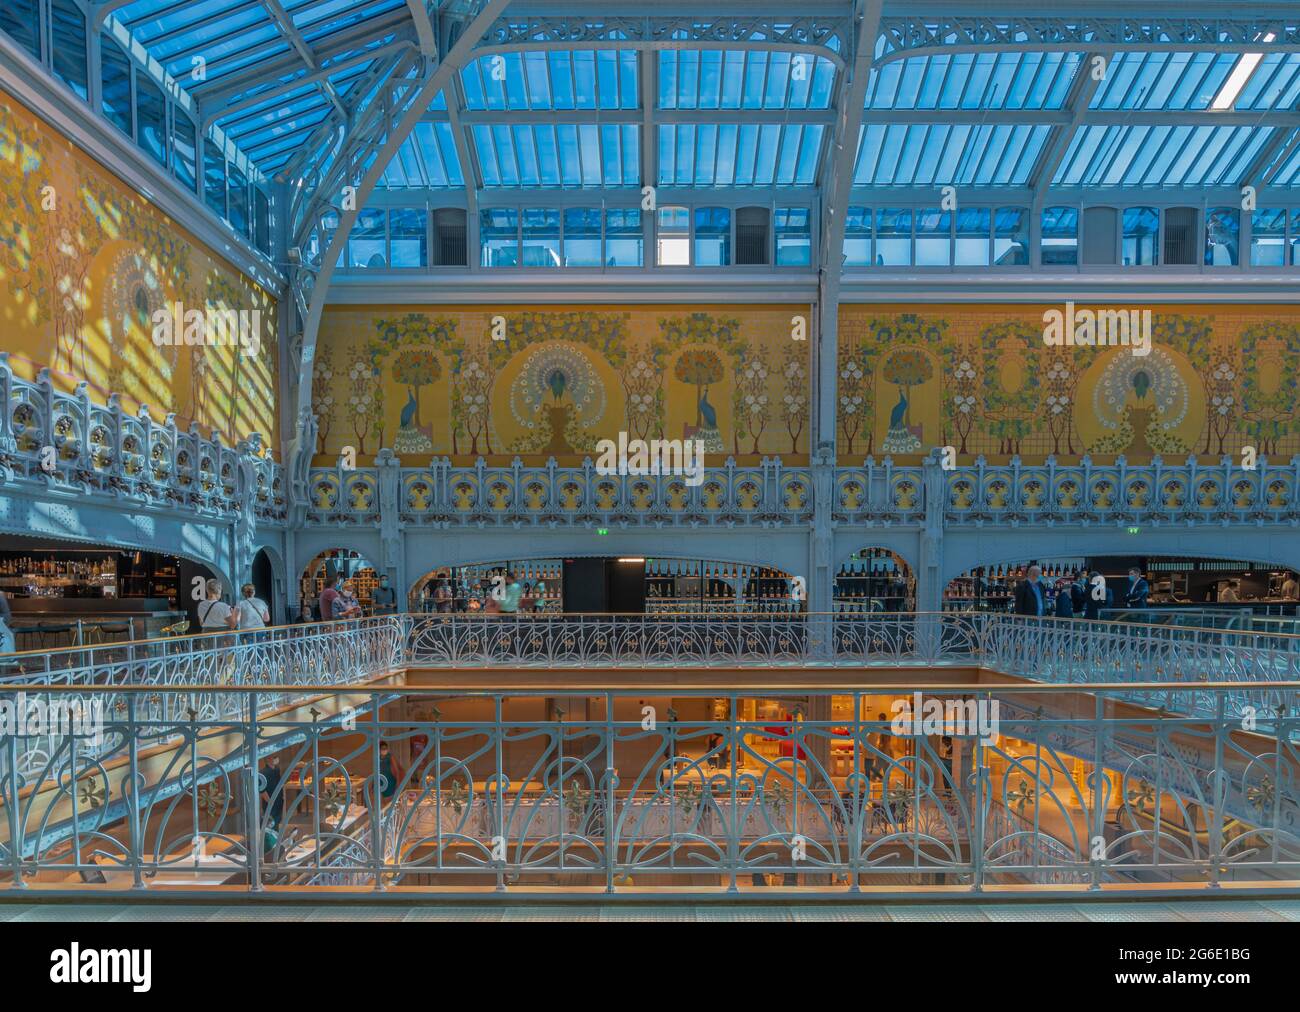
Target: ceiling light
[{"x": 1236, "y": 81}]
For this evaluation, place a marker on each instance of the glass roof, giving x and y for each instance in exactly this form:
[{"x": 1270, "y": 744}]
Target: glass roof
[{"x": 552, "y": 102}]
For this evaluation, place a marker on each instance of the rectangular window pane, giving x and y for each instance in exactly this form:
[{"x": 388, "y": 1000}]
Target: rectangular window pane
[
  {"x": 973, "y": 226},
  {"x": 624, "y": 243},
  {"x": 1222, "y": 225},
  {"x": 214, "y": 180},
  {"x": 674, "y": 237},
  {"x": 1295, "y": 237},
  {"x": 150, "y": 118},
  {"x": 367, "y": 246},
  {"x": 857, "y": 237},
  {"x": 1011, "y": 236},
  {"x": 115, "y": 84},
  {"x": 406, "y": 235},
  {"x": 1060, "y": 236},
  {"x": 1141, "y": 237},
  {"x": 262, "y": 221},
  {"x": 499, "y": 235},
  {"x": 238, "y": 201},
  {"x": 20, "y": 20},
  {"x": 933, "y": 238},
  {"x": 1268, "y": 237},
  {"x": 894, "y": 237},
  {"x": 582, "y": 237},
  {"x": 68, "y": 45},
  {"x": 712, "y": 236},
  {"x": 541, "y": 237},
  {"x": 184, "y": 137},
  {"x": 793, "y": 237}
]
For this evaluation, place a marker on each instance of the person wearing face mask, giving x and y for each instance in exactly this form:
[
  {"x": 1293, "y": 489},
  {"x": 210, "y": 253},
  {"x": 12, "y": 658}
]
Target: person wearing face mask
[
  {"x": 1135, "y": 592},
  {"x": 1031, "y": 595},
  {"x": 384, "y": 598}
]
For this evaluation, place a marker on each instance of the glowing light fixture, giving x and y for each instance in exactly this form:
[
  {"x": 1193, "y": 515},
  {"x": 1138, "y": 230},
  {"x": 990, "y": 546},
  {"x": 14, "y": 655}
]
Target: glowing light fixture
[{"x": 1227, "y": 96}]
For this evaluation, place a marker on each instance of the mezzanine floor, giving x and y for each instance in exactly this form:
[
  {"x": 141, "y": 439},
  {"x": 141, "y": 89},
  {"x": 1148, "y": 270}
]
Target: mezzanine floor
[{"x": 1223, "y": 909}]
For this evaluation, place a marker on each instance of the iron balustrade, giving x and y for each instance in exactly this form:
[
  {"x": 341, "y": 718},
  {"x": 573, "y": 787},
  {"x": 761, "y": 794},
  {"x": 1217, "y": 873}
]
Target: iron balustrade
[{"x": 614, "y": 798}]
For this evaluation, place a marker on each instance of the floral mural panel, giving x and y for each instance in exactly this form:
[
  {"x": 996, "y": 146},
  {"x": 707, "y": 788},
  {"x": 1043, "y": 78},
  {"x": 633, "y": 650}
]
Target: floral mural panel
[{"x": 86, "y": 263}]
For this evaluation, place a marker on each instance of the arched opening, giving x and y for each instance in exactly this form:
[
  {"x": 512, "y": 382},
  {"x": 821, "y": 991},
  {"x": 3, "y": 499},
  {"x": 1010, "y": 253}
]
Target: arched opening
[
  {"x": 613, "y": 584},
  {"x": 360, "y": 576},
  {"x": 1196, "y": 590},
  {"x": 874, "y": 579},
  {"x": 263, "y": 579}
]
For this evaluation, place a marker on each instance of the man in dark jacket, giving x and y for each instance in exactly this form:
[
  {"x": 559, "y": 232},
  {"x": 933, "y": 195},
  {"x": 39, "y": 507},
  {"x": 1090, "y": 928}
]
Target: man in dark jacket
[
  {"x": 1096, "y": 592},
  {"x": 1065, "y": 599},
  {"x": 1031, "y": 595},
  {"x": 1135, "y": 592}
]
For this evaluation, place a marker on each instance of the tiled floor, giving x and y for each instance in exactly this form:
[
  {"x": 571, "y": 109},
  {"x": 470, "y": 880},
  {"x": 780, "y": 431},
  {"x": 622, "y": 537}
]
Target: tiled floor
[{"x": 1233, "y": 910}]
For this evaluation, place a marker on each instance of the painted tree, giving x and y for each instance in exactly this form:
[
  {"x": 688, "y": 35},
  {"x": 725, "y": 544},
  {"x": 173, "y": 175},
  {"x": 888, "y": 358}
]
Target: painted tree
[
  {"x": 795, "y": 402},
  {"x": 700, "y": 368},
  {"x": 722, "y": 334},
  {"x": 907, "y": 368},
  {"x": 415, "y": 368}
]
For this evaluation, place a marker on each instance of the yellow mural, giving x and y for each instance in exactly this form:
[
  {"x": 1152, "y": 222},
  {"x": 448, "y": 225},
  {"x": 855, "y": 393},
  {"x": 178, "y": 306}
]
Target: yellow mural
[
  {"x": 982, "y": 379},
  {"x": 90, "y": 272},
  {"x": 537, "y": 383}
]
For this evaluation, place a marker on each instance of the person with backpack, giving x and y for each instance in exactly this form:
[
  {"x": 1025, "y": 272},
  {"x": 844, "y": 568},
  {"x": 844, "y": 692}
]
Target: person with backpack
[
  {"x": 214, "y": 613},
  {"x": 252, "y": 612}
]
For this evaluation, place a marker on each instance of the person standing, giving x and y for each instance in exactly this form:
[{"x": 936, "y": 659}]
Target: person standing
[
  {"x": 1290, "y": 588},
  {"x": 329, "y": 597},
  {"x": 1095, "y": 596},
  {"x": 384, "y": 598},
  {"x": 389, "y": 774},
  {"x": 214, "y": 613},
  {"x": 511, "y": 595},
  {"x": 1136, "y": 590},
  {"x": 7, "y": 645},
  {"x": 251, "y": 611},
  {"x": 272, "y": 792},
  {"x": 1065, "y": 600},
  {"x": 1031, "y": 595}
]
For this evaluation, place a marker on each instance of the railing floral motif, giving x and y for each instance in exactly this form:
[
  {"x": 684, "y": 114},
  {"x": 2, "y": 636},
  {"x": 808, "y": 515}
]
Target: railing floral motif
[
  {"x": 66, "y": 441},
  {"x": 771, "y": 494},
  {"x": 609, "y": 799}
]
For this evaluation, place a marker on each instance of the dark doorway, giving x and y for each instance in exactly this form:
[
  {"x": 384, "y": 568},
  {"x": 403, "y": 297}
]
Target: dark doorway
[
  {"x": 585, "y": 586},
  {"x": 627, "y": 585},
  {"x": 264, "y": 580}
]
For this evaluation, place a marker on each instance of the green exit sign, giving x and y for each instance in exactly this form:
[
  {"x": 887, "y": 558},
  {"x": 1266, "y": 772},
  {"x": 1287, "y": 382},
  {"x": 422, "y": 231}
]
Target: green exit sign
[
  {"x": 1135, "y": 530},
  {"x": 602, "y": 530}
]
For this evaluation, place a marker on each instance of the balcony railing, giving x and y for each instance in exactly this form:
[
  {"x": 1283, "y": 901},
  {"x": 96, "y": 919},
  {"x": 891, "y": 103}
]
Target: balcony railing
[
  {"x": 619, "y": 797},
  {"x": 772, "y": 493},
  {"x": 66, "y": 441}
]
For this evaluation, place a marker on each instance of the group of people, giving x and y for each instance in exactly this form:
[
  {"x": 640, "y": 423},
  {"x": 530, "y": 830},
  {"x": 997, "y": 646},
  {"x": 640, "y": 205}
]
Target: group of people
[
  {"x": 503, "y": 593},
  {"x": 250, "y": 612},
  {"x": 1083, "y": 596},
  {"x": 339, "y": 601}
]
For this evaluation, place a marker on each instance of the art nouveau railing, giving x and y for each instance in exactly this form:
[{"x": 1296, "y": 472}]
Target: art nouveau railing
[
  {"x": 711, "y": 804},
  {"x": 771, "y": 493},
  {"x": 767, "y": 493},
  {"x": 67, "y": 441},
  {"x": 291, "y": 657}
]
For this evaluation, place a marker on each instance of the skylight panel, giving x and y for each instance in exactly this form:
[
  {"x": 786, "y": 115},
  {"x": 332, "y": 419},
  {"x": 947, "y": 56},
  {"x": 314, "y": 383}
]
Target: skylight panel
[{"x": 1246, "y": 65}]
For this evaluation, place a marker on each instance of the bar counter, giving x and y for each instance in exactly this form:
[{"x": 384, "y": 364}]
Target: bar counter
[{"x": 41, "y": 622}]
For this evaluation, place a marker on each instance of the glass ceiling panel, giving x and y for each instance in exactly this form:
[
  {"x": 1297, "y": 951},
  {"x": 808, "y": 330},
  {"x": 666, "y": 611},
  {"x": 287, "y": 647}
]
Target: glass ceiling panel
[
  {"x": 427, "y": 159},
  {"x": 1160, "y": 155},
  {"x": 941, "y": 154},
  {"x": 974, "y": 81},
  {"x": 566, "y": 155},
  {"x": 739, "y": 154},
  {"x": 564, "y": 79},
  {"x": 1163, "y": 80},
  {"x": 744, "y": 79}
]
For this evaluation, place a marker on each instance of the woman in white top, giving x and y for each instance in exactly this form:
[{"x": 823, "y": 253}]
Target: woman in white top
[
  {"x": 252, "y": 611},
  {"x": 214, "y": 613}
]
